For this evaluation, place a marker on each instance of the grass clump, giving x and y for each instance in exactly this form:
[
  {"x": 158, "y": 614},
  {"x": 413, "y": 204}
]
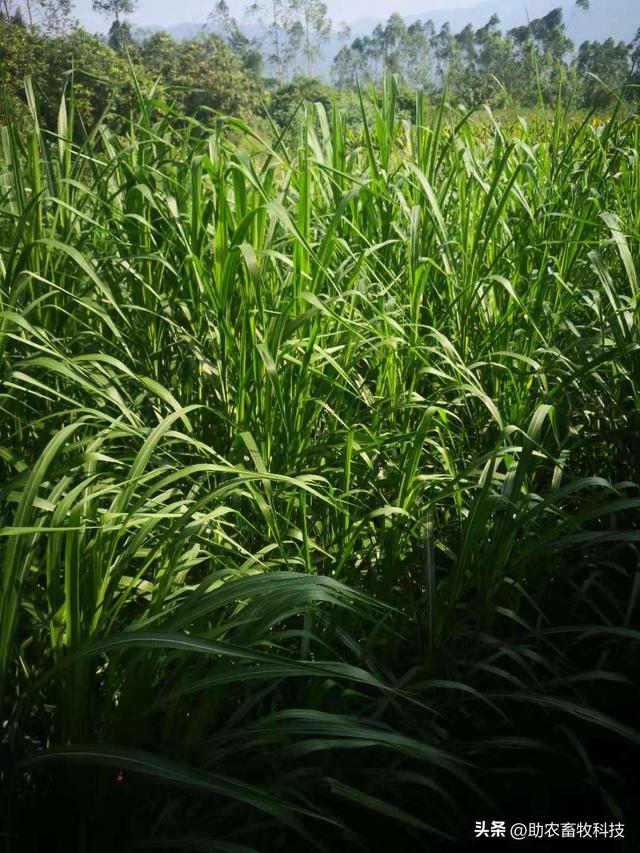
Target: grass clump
[{"x": 319, "y": 514}]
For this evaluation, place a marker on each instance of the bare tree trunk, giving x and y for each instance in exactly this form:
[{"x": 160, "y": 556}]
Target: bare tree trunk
[{"x": 276, "y": 41}]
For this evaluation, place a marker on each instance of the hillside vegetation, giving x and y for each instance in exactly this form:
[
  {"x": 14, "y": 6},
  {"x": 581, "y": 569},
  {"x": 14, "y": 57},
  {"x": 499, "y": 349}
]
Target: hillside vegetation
[
  {"x": 319, "y": 460},
  {"x": 225, "y": 68}
]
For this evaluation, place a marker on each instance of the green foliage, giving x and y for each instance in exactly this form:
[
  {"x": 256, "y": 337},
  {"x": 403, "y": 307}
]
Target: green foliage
[
  {"x": 274, "y": 17},
  {"x": 604, "y": 71},
  {"x": 308, "y": 27},
  {"x": 49, "y": 16},
  {"x": 102, "y": 76},
  {"x": 21, "y": 54},
  {"x": 120, "y": 37},
  {"x": 319, "y": 512},
  {"x": 290, "y": 99},
  {"x": 103, "y": 79},
  {"x": 529, "y": 65},
  {"x": 201, "y": 74},
  {"x": 227, "y": 28},
  {"x": 114, "y": 9}
]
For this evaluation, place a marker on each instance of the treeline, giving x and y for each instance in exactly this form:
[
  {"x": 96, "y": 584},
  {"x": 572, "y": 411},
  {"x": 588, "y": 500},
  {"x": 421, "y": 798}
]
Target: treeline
[
  {"x": 197, "y": 74},
  {"x": 524, "y": 65},
  {"x": 222, "y": 69}
]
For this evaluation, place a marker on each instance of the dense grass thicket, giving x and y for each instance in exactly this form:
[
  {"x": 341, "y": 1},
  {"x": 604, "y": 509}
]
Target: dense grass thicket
[{"x": 318, "y": 480}]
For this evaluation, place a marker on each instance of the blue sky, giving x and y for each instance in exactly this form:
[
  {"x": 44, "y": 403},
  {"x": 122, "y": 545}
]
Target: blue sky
[{"x": 169, "y": 12}]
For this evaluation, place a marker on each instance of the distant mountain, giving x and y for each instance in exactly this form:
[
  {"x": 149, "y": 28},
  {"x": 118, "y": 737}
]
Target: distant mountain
[
  {"x": 181, "y": 32},
  {"x": 618, "y": 19}
]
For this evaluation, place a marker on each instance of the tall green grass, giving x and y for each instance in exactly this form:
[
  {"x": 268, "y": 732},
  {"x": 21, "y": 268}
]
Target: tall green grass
[{"x": 319, "y": 453}]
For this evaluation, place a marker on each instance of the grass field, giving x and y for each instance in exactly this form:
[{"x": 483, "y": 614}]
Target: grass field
[{"x": 319, "y": 461}]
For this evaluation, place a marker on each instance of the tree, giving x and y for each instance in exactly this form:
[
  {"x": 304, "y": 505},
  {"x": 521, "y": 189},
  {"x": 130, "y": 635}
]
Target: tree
[
  {"x": 120, "y": 35},
  {"x": 226, "y": 26},
  {"x": 309, "y": 26},
  {"x": 542, "y": 47},
  {"x": 51, "y": 16},
  {"x": 203, "y": 74},
  {"x": 120, "y": 31},
  {"x": 102, "y": 79},
  {"x": 115, "y": 9},
  {"x": 272, "y": 14},
  {"x": 344, "y": 69},
  {"x": 20, "y": 54},
  {"x": 286, "y": 100},
  {"x": 495, "y": 69},
  {"x": 377, "y": 52},
  {"x": 354, "y": 63},
  {"x": 603, "y": 70},
  {"x": 343, "y": 33},
  {"x": 417, "y": 62},
  {"x": 395, "y": 34},
  {"x": 634, "y": 59}
]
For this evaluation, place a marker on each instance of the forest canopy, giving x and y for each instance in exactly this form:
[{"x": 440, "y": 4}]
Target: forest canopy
[{"x": 223, "y": 69}]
